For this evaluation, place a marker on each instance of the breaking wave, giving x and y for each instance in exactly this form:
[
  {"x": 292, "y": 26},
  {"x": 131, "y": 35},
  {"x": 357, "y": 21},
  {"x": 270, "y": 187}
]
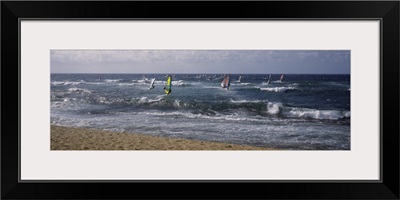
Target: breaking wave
[{"x": 295, "y": 112}]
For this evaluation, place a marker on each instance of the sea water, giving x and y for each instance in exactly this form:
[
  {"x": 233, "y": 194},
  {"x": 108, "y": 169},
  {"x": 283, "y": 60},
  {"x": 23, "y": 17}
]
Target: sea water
[{"x": 302, "y": 112}]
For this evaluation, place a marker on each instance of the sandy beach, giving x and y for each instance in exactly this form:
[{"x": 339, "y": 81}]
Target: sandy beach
[{"x": 68, "y": 138}]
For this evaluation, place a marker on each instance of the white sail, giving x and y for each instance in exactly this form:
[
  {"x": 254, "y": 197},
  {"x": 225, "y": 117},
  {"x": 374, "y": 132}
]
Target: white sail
[
  {"x": 269, "y": 79},
  {"x": 152, "y": 83}
]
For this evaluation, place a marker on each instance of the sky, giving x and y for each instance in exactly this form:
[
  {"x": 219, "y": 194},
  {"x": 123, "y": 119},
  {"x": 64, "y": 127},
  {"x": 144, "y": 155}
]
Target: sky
[{"x": 201, "y": 61}]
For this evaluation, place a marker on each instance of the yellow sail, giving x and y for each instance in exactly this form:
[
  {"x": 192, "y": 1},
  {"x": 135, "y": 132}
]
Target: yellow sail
[{"x": 167, "y": 88}]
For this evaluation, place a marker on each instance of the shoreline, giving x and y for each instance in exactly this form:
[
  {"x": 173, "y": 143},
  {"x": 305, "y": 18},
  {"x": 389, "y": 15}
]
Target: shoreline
[{"x": 71, "y": 138}]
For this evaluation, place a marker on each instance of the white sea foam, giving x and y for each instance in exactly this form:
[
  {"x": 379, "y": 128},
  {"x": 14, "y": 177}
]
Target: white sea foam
[
  {"x": 274, "y": 108},
  {"x": 245, "y": 101},
  {"x": 126, "y": 84},
  {"x": 240, "y": 83},
  {"x": 112, "y": 80},
  {"x": 337, "y": 84},
  {"x": 69, "y": 99},
  {"x": 67, "y": 82},
  {"x": 148, "y": 100},
  {"x": 278, "y": 89},
  {"x": 179, "y": 83},
  {"x": 177, "y": 103},
  {"x": 317, "y": 114},
  {"x": 143, "y": 100},
  {"x": 277, "y": 107},
  {"x": 201, "y": 116},
  {"x": 265, "y": 83},
  {"x": 57, "y": 104},
  {"x": 79, "y": 90},
  {"x": 96, "y": 83},
  {"x": 158, "y": 98}
]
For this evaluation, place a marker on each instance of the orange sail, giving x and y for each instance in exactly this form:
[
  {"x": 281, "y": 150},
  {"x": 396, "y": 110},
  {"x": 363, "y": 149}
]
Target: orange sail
[{"x": 226, "y": 82}]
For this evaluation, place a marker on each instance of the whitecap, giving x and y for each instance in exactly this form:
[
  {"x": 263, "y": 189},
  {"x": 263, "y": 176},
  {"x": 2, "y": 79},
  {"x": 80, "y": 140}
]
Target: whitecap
[
  {"x": 79, "y": 90},
  {"x": 112, "y": 80},
  {"x": 277, "y": 89},
  {"x": 274, "y": 108},
  {"x": 317, "y": 114},
  {"x": 66, "y": 82}
]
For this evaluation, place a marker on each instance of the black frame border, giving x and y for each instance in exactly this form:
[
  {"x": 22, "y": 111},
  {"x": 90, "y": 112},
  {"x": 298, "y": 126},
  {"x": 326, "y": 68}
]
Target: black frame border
[{"x": 386, "y": 11}]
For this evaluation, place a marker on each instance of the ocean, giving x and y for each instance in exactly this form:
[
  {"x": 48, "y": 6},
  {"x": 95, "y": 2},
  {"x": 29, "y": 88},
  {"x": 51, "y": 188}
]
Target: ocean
[{"x": 304, "y": 112}]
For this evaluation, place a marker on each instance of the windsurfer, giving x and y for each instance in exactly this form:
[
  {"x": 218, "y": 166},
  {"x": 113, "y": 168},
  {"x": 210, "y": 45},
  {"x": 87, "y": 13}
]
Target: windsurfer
[
  {"x": 152, "y": 83},
  {"x": 226, "y": 82},
  {"x": 281, "y": 79},
  {"x": 167, "y": 87},
  {"x": 167, "y": 91}
]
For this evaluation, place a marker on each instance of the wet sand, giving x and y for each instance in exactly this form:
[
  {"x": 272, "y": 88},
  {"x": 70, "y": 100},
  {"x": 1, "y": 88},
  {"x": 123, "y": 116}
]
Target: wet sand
[{"x": 68, "y": 138}]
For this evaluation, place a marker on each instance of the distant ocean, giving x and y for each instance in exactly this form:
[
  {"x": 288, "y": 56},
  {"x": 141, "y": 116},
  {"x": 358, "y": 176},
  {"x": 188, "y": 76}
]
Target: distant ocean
[{"x": 304, "y": 112}]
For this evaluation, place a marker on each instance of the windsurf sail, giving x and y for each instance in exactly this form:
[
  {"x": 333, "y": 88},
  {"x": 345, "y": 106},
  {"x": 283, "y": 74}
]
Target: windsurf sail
[
  {"x": 152, "y": 83},
  {"x": 269, "y": 79},
  {"x": 281, "y": 79},
  {"x": 167, "y": 88},
  {"x": 240, "y": 78},
  {"x": 226, "y": 82}
]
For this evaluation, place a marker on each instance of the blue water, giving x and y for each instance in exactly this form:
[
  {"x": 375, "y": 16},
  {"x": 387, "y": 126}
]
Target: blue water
[{"x": 302, "y": 112}]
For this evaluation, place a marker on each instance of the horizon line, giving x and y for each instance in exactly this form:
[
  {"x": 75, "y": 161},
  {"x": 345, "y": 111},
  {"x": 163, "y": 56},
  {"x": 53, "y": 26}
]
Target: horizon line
[{"x": 206, "y": 73}]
